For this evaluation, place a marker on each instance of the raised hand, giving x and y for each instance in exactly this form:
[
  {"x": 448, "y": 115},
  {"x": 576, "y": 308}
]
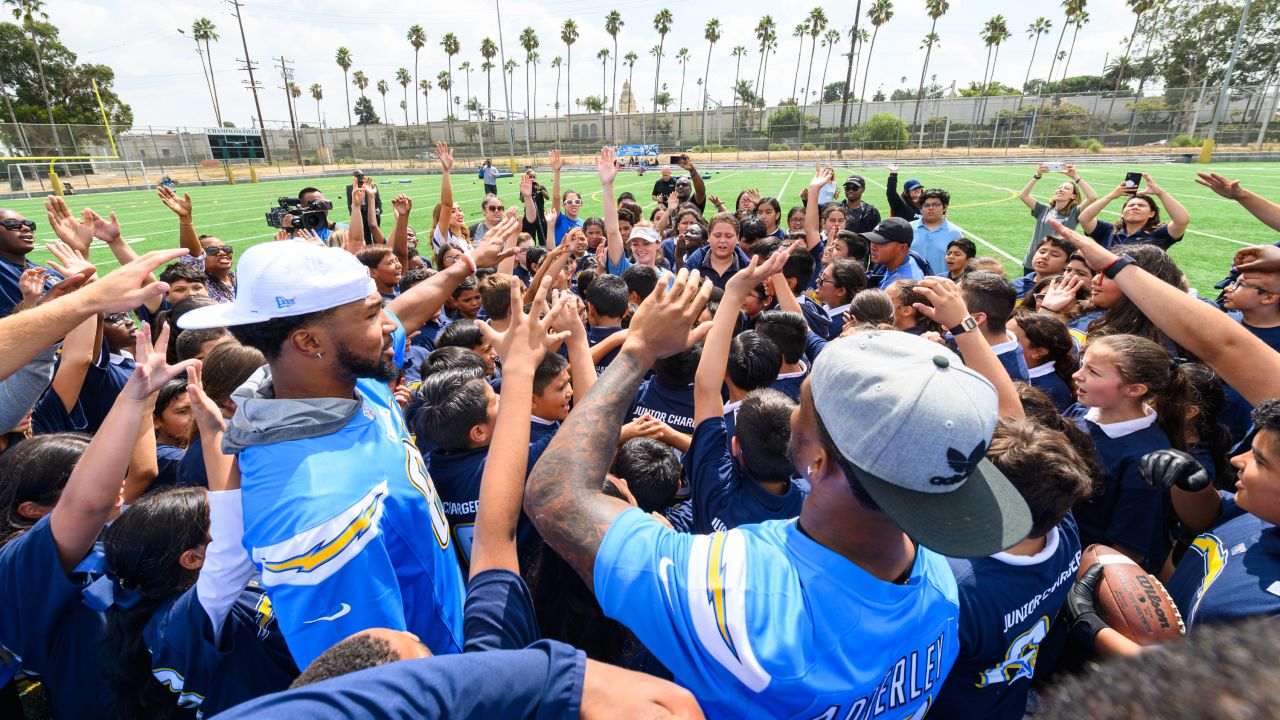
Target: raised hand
[
  {"x": 1258, "y": 259},
  {"x": 757, "y": 272},
  {"x": 152, "y": 370},
  {"x": 72, "y": 261},
  {"x": 683, "y": 162},
  {"x": 207, "y": 414},
  {"x": 673, "y": 202},
  {"x": 76, "y": 233},
  {"x": 1061, "y": 292},
  {"x": 131, "y": 285},
  {"x": 31, "y": 284},
  {"x": 445, "y": 155},
  {"x": 1229, "y": 189},
  {"x": 716, "y": 202},
  {"x": 644, "y": 426},
  {"x": 1152, "y": 188},
  {"x": 893, "y": 167},
  {"x": 822, "y": 177},
  {"x": 491, "y": 249},
  {"x": 1070, "y": 171},
  {"x": 946, "y": 305},
  {"x": 526, "y": 187},
  {"x": 557, "y": 162},
  {"x": 402, "y": 205},
  {"x": 527, "y": 337},
  {"x": 357, "y": 198},
  {"x": 107, "y": 231},
  {"x": 1094, "y": 254},
  {"x": 371, "y": 189},
  {"x": 180, "y": 206},
  {"x": 661, "y": 326},
  {"x": 606, "y": 165},
  {"x": 1042, "y": 169}
]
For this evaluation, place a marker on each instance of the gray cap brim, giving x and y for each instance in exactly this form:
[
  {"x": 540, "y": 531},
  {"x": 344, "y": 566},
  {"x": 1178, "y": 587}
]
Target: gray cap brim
[{"x": 981, "y": 517}]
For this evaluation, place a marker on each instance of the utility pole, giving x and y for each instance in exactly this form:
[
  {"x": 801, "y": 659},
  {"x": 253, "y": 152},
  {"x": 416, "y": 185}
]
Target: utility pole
[
  {"x": 253, "y": 85},
  {"x": 286, "y": 76},
  {"x": 1225, "y": 94},
  {"x": 506, "y": 91},
  {"x": 848, "y": 76}
]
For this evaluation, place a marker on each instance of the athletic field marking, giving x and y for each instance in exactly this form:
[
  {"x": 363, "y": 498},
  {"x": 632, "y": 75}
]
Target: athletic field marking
[{"x": 1011, "y": 258}]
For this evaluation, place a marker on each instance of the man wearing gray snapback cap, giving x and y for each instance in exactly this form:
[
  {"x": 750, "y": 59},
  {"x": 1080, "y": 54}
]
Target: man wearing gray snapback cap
[
  {"x": 340, "y": 514},
  {"x": 849, "y": 611}
]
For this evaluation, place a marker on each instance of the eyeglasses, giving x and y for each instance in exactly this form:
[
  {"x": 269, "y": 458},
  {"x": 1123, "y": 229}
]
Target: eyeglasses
[
  {"x": 220, "y": 250},
  {"x": 572, "y": 202},
  {"x": 1039, "y": 297},
  {"x": 1237, "y": 284},
  {"x": 16, "y": 225},
  {"x": 116, "y": 319},
  {"x": 931, "y": 206},
  {"x": 824, "y": 281},
  {"x": 496, "y": 208}
]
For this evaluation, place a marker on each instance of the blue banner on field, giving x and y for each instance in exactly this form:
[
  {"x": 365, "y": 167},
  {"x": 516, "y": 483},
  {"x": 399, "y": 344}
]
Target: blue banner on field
[{"x": 637, "y": 151}]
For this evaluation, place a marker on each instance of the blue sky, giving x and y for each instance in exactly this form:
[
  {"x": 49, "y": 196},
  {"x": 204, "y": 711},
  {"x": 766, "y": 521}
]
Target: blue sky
[{"x": 158, "y": 71}]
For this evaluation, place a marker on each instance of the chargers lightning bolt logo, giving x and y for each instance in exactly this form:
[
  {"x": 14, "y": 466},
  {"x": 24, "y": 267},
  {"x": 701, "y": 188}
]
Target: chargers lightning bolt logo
[
  {"x": 326, "y": 551},
  {"x": 715, "y": 590}
]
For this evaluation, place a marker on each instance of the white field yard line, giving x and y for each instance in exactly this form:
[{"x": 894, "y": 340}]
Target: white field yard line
[{"x": 986, "y": 243}]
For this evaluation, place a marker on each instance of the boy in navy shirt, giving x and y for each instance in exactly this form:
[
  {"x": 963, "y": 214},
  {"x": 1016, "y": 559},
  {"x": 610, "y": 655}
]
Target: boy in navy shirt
[
  {"x": 739, "y": 481},
  {"x": 789, "y": 332},
  {"x": 668, "y": 395},
  {"x": 467, "y": 334},
  {"x": 606, "y": 298},
  {"x": 1009, "y": 601},
  {"x": 185, "y": 280},
  {"x": 798, "y": 272},
  {"x": 990, "y": 298}
]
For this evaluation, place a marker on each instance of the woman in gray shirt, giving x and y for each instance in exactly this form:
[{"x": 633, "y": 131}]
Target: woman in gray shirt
[{"x": 1064, "y": 206}]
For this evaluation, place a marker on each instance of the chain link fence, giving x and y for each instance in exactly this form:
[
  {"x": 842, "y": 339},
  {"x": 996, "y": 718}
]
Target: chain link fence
[{"x": 1171, "y": 122}]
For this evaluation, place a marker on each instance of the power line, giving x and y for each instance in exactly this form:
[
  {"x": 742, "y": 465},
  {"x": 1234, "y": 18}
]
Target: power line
[{"x": 248, "y": 67}]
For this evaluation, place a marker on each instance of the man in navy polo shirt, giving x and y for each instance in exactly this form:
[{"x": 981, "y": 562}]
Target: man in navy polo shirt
[{"x": 891, "y": 256}]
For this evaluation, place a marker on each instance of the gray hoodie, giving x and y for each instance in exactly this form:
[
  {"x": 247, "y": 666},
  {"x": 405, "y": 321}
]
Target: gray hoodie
[{"x": 261, "y": 419}]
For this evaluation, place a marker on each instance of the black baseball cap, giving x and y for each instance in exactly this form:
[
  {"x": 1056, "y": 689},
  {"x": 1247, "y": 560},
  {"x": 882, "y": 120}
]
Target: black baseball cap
[
  {"x": 891, "y": 230},
  {"x": 856, "y": 180}
]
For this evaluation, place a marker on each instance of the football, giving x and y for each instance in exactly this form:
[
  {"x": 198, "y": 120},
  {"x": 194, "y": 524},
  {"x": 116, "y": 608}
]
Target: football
[{"x": 1132, "y": 602}]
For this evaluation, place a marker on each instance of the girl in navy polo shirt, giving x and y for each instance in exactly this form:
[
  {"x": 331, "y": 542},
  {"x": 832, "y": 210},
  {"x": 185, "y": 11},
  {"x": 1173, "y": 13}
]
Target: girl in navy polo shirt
[
  {"x": 1050, "y": 353},
  {"x": 1139, "y": 219},
  {"x": 1133, "y": 401}
]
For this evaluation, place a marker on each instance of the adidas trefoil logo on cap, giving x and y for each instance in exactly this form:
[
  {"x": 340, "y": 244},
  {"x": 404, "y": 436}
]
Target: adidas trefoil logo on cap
[{"x": 961, "y": 464}]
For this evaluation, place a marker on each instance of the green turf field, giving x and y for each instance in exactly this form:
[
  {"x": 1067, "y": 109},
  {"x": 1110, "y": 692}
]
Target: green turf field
[{"x": 983, "y": 203}]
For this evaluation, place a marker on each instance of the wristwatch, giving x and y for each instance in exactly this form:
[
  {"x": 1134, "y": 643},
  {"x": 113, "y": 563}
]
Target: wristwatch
[
  {"x": 1036, "y": 176},
  {"x": 967, "y": 324},
  {"x": 1117, "y": 265}
]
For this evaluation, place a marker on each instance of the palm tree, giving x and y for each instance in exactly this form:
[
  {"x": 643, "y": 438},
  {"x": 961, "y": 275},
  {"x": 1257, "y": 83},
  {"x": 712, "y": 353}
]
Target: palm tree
[
  {"x": 361, "y": 81},
  {"x": 424, "y": 87},
  {"x": 935, "y": 9},
  {"x": 417, "y": 37},
  {"x": 452, "y": 47},
  {"x": 533, "y": 60},
  {"x": 613, "y": 25},
  {"x": 1041, "y": 26},
  {"x": 488, "y": 49},
  {"x": 798, "y": 32},
  {"x": 770, "y": 48},
  {"x": 631, "y": 59},
  {"x": 829, "y": 41},
  {"x": 739, "y": 51},
  {"x": 1070, "y": 8},
  {"x": 603, "y": 57},
  {"x": 569, "y": 36},
  {"x": 880, "y": 13},
  {"x": 466, "y": 68},
  {"x": 1080, "y": 20},
  {"x": 989, "y": 35},
  {"x": 682, "y": 59},
  {"x": 528, "y": 41},
  {"x": 344, "y": 61},
  {"x": 817, "y": 25},
  {"x": 764, "y": 33},
  {"x": 384, "y": 88},
  {"x": 510, "y": 66},
  {"x": 711, "y": 33},
  {"x": 662, "y": 23},
  {"x": 295, "y": 92},
  {"x": 1000, "y": 34},
  {"x": 444, "y": 83},
  {"x": 27, "y": 11},
  {"x": 203, "y": 30},
  {"x": 556, "y": 62},
  {"x": 403, "y": 77},
  {"x": 317, "y": 94},
  {"x": 1138, "y": 7}
]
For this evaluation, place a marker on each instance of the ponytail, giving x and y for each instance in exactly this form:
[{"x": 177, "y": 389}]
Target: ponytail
[
  {"x": 1141, "y": 361},
  {"x": 144, "y": 548}
]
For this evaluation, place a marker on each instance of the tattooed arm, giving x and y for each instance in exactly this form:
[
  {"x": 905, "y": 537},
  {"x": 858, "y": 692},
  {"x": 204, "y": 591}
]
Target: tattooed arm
[{"x": 564, "y": 496}]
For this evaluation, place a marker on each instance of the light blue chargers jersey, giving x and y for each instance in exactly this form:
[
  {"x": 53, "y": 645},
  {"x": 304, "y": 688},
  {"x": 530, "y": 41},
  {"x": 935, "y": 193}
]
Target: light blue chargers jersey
[
  {"x": 349, "y": 533},
  {"x": 763, "y": 622}
]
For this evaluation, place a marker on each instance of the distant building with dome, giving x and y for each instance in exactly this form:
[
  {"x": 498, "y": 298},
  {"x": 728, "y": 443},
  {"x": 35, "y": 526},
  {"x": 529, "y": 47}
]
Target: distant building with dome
[{"x": 627, "y": 101}]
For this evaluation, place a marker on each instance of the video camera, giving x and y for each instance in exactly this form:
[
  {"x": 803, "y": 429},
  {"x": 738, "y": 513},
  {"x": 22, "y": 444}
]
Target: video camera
[{"x": 313, "y": 216}]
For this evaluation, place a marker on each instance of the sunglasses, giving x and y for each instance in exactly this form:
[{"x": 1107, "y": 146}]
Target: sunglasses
[
  {"x": 572, "y": 202},
  {"x": 16, "y": 225},
  {"x": 220, "y": 250},
  {"x": 496, "y": 208}
]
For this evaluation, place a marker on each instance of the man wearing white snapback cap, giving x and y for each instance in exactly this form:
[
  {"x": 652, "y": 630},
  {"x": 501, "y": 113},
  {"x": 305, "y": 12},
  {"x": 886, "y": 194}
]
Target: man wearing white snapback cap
[
  {"x": 341, "y": 517},
  {"x": 849, "y": 611}
]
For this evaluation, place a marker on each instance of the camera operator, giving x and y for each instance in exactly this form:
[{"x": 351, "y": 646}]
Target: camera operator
[{"x": 330, "y": 232}]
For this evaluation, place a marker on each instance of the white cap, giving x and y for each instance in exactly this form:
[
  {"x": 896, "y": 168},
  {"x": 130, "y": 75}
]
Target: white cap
[
  {"x": 286, "y": 279},
  {"x": 646, "y": 233}
]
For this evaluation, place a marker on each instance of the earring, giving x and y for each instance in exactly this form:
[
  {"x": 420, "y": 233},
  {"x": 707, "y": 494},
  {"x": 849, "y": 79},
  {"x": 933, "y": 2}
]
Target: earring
[
  {"x": 809, "y": 471},
  {"x": 320, "y": 356}
]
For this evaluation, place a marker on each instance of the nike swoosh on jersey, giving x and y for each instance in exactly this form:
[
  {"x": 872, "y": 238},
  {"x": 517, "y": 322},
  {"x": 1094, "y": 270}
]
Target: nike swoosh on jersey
[{"x": 345, "y": 608}]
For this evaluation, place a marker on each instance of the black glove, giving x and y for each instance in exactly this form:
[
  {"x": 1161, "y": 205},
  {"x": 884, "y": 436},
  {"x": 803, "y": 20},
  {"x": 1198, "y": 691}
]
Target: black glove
[
  {"x": 1081, "y": 613},
  {"x": 1169, "y": 468}
]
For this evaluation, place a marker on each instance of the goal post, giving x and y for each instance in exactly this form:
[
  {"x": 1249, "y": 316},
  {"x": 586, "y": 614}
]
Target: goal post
[{"x": 67, "y": 177}]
